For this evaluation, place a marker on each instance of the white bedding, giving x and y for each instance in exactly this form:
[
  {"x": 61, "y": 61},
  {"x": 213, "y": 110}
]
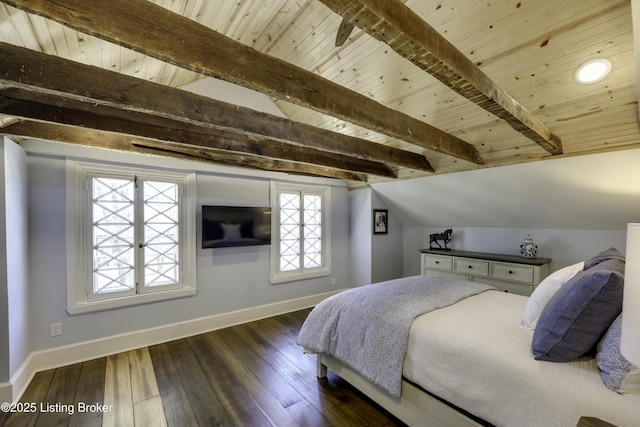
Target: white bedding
[{"x": 475, "y": 355}]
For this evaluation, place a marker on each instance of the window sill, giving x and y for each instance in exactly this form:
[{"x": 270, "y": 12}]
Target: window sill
[
  {"x": 92, "y": 306},
  {"x": 295, "y": 276}
]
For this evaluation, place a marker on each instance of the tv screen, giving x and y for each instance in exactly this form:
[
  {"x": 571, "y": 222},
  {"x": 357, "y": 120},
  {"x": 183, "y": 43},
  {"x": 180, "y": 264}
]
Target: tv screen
[{"x": 228, "y": 226}]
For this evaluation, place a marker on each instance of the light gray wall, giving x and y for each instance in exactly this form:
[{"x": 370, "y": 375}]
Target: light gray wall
[
  {"x": 573, "y": 207},
  {"x": 360, "y": 239},
  {"x": 17, "y": 255},
  {"x": 228, "y": 279},
  {"x": 386, "y": 249},
  {"x": 379, "y": 257},
  {"x": 5, "y": 355},
  {"x": 14, "y": 294},
  {"x": 591, "y": 192}
]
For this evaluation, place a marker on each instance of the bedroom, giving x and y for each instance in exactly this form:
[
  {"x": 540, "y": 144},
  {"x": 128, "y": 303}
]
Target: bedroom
[{"x": 586, "y": 214}]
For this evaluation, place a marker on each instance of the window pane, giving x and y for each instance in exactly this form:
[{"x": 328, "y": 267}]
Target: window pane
[
  {"x": 113, "y": 235},
  {"x": 113, "y": 272},
  {"x": 160, "y": 233},
  {"x": 289, "y": 231},
  {"x": 312, "y": 231}
]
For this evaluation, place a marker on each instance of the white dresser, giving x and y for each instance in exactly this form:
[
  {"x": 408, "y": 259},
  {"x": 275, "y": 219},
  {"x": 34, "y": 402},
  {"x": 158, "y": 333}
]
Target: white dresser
[{"x": 509, "y": 273}]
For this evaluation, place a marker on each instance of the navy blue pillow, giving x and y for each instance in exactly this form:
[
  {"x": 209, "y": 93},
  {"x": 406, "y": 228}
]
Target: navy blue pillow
[
  {"x": 579, "y": 314},
  {"x": 606, "y": 255}
]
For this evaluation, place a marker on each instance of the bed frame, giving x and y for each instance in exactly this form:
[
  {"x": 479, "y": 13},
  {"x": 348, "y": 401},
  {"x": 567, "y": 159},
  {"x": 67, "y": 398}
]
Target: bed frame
[{"x": 414, "y": 407}]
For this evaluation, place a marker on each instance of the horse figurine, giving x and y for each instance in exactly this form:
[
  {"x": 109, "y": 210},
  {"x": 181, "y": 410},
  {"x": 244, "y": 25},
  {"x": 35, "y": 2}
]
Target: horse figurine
[{"x": 445, "y": 236}]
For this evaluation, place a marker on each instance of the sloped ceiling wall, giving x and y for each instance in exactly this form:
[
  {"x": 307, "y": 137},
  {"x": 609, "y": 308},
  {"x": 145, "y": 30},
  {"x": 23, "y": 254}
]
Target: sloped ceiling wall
[
  {"x": 234, "y": 94},
  {"x": 593, "y": 192}
]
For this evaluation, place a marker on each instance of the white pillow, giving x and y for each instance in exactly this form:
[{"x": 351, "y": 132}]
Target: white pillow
[
  {"x": 231, "y": 231},
  {"x": 545, "y": 291}
]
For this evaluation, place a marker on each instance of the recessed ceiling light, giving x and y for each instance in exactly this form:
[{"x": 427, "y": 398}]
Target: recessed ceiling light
[{"x": 593, "y": 71}]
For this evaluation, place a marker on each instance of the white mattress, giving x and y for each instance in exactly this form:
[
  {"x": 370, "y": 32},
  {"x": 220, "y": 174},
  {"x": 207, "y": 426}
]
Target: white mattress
[{"x": 475, "y": 355}]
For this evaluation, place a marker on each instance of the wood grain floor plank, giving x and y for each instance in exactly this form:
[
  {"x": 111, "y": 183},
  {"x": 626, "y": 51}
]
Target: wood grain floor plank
[
  {"x": 278, "y": 333},
  {"x": 267, "y": 390},
  {"x": 90, "y": 391},
  {"x": 149, "y": 413},
  {"x": 205, "y": 403},
  {"x": 117, "y": 392},
  {"x": 147, "y": 404},
  {"x": 143, "y": 378},
  {"x": 299, "y": 370},
  {"x": 293, "y": 320},
  {"x": 58, "y": 404},
  {"x": 235, "y": 396},
  {"x": 255, "y": 353},
  {"x": 269, "y": 332},
  {"x": 34, "y": 393},
  {"x": 176, "y": 405},
  {"x": 308, "y": 415},
  {"x": 334, "y": 400}
]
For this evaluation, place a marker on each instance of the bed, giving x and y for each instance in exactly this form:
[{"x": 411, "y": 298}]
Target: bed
[{"x": 472, "y": 361}]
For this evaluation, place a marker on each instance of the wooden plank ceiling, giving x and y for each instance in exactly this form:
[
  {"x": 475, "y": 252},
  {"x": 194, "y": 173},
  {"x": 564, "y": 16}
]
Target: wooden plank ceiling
[{"x": 417, "y": 88}]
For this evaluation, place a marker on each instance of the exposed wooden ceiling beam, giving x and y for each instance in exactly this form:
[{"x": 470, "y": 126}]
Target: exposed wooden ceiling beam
[
  {"x": 254, "y": 162},
  {"x": 112, "y": 141},
  {"x": 47, "y": 79},
  {"x": 393, "y": 23},
  {"x": 152, "y": 30},
  {"x": 187, "y": 136}
]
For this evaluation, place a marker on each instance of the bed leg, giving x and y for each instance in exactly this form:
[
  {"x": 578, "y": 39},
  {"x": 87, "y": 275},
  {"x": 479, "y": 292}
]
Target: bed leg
[{"x": 321, "y": 369}]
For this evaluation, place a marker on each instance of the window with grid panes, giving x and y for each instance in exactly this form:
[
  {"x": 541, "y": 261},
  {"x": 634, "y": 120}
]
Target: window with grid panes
[
  {"x": 134, "y": 229},
  {"x": 301, "y": 232}
]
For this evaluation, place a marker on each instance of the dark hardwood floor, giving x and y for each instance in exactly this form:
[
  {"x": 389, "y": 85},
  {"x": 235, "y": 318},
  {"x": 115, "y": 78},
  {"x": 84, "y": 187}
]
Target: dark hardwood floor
[{"x": 247, "y": 375}]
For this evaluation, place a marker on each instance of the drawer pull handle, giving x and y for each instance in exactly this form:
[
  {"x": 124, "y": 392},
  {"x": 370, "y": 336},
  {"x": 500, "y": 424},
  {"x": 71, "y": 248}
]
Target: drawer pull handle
[
  {"x": 437, "y": 262},
  {"x": 470, "y": 266},
  {"x": 510, "y": 272}
]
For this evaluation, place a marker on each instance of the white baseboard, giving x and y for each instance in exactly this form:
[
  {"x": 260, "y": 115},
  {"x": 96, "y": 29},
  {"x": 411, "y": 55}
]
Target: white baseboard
[{"x": 75, "y": 353}]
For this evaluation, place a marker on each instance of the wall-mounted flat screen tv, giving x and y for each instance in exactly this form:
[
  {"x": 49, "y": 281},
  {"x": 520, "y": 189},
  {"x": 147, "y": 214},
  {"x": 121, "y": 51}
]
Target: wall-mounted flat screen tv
[{"x": 228, "y": 226}]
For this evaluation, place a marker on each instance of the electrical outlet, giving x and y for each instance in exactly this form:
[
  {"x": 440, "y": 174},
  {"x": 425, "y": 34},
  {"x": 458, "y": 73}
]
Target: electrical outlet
[
  {"x": 333, "y": 281},
  {"x": 56, "y": 329}
]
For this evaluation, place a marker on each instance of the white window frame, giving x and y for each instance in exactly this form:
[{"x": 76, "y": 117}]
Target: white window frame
[
  {"x": 324, "y": 192},
  {"x": 80, "y": 232}
]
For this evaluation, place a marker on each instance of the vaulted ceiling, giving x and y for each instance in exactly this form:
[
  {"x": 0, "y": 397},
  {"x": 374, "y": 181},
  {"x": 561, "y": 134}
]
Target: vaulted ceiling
[{"x": 417, "y": 88}]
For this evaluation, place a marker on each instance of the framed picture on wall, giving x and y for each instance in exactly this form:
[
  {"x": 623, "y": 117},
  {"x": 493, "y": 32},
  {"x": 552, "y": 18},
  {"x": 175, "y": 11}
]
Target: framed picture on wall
[{"x": 380, "y": 221}]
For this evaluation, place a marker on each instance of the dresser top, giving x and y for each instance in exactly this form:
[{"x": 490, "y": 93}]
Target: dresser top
[{"x": 488, "y": 256}]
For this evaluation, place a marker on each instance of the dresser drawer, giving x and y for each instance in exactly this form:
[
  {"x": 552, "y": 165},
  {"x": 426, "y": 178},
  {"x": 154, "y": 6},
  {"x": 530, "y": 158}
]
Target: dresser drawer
[
  {"x": 513, "y": 287},
  {"x": 519, "y": 273},
  {"x": 438, "y": 262},
  {"x": 472, "y": 266}
]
